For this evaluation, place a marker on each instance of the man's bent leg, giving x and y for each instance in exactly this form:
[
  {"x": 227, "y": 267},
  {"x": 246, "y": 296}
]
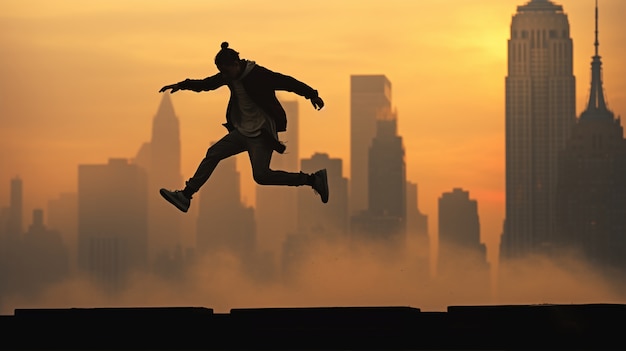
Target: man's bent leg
[
  {"x": 231, "y": 144},
  {"x": 260, "y": 153}
]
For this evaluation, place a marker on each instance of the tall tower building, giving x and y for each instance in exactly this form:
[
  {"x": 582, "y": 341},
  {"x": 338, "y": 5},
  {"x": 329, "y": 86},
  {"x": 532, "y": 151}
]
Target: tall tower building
[
  {"x": 540, "y": 112},
  {"x": 418, "y": 241},
  {"x": 276, "y": 206},
  {"x": 459, "y": 228},
  {"x": 112, "y": 222},
  {"x": 63, "y": 218},
  {"x": 161, "y": 158},
  {"x": 387, "y": 170},
  {"x": 370, "y": 97},
  {"x": 16, "y": 208},
  {"x": 318, "y": 223},
  {"x": 48, "y": 259},
  {"x": 384, "y": 220},
  {"x": 591, "y": 192},
  {"x": 330, "y": 220},
  {"x": 462, "y": 258}
]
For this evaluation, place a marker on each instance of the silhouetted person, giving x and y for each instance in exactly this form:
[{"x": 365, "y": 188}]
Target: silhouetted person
[{"x": 254, "y": 117}]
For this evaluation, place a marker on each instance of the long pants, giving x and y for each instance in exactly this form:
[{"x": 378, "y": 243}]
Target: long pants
[{"x": 260, "y": 152}]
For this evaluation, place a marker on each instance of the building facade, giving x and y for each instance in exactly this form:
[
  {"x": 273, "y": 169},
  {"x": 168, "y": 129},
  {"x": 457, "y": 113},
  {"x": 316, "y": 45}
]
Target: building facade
[
  {"x": 370, "y": 97},
  {"x": 591, "y": 192},
  {"x": 540, "y": 112},
  {"x": 112, "y": 222},
  {"x": 384, "y": 219},
  {"x": 161, "y": 158}
]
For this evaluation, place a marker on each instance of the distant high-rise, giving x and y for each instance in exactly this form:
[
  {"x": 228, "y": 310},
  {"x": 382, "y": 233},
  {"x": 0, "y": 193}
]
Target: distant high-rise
[
  {"x": 540, "y": 112},
  {"x": 459, "y": 229},
  {"x": 387, "y": 170},
  {"x": 384, "y": 220},
  {"x": 48, "y": 257},
  {"x": 416, "y": 221},
  {"x": 318, "y": 223},
  {"x": 591, "y": 191},
  {"x": 63, "y": 217},
  {"x": 112, "y": 222},
  {"x": 15, "y": 225},
  {"x": 161, "y": 158},
  {"x": 462, "y": 258},
  {"x": 418, "y": 241},
  {"x": 370, "y": 97},
  {"x": 276, "y": 206},
  {"x": 325, "y": 221}
]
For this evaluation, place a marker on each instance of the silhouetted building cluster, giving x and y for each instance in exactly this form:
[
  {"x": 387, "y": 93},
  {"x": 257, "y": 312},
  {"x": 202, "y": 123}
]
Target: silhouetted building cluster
[
  {"x": 31, "y": 259},
  {"x": 117, "y": 227},
  {"x": 591, "y": 189},
  {"x": 112, "y": 222},
  {"x": 565, "y": 176}
]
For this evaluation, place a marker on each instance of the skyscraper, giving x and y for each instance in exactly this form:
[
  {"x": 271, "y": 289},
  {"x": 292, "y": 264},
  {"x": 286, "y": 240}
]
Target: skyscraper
[
  {"x": 46, "y": 256},
  {"x": 591, "y": 192},
  {"x": 112, "y": 222},
  {"x": 370, "y": 97},
  {"x": 161, "y": 158},
  {"x": 418, "y": 241},
  {"x": 459, "y": 229},
  {"x": 63, "y": 217},
  {"x": 462, "y": 258},
  {"x": 540, "y": 112},
  {"x": 384, "y": 220},
  {"x": 16, "y": 208},
  {"x": 328, "y": 221},
  {"x": 318, "y": 223}
]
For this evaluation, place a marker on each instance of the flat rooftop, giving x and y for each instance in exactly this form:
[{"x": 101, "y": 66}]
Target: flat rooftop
[{"x": 499, "y": 327}]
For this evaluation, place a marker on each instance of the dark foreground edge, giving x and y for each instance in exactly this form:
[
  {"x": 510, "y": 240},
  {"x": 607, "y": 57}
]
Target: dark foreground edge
[{"x": 501, "y": 327}]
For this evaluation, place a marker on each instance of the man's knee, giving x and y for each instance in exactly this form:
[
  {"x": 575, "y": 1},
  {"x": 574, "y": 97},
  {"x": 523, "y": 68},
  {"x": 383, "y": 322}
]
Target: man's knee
[{"x": 262, "y": 177}]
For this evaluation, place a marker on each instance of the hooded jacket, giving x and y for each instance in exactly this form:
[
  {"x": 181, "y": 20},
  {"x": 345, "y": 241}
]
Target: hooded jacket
[{"x": 261, "y": 85}]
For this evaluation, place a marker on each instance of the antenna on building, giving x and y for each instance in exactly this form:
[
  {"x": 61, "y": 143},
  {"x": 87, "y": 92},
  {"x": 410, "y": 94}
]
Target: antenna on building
[{"x": 596, "y": 43}]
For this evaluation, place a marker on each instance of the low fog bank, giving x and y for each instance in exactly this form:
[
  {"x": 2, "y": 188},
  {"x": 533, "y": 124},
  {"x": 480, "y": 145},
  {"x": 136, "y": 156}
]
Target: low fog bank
[{"x": 337, "y": 275}]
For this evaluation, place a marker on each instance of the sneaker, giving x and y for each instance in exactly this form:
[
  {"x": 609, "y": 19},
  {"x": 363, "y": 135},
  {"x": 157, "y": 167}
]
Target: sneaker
[
  {"x": 176, "y": 198},
  {"x": 320, "y": 184}
]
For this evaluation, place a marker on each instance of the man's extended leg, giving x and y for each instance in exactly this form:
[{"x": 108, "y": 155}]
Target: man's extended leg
[
  {"x": 260, "y": 153},
  {"x": 231, "y": 144}
]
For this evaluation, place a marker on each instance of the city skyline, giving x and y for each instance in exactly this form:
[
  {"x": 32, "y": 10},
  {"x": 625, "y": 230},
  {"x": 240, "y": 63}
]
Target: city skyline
[
  {"x": 94, "y": 86},
  {"x": 449, "y": 144}
]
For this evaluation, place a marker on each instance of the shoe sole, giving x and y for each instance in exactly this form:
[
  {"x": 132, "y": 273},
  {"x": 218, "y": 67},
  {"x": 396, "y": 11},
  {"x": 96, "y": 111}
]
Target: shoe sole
[
  {"x": 171, "y": 200},
  {"x": 325, "y": 183}
]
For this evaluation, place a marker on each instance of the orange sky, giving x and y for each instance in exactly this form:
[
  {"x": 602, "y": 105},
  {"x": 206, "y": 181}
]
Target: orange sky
[{"x": 79, "y": 82}]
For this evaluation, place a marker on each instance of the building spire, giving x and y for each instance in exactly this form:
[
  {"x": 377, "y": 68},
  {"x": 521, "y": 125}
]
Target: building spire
[
  {"x": 166, "y": 108},
  {"x": 596, "y": 107},
  {"x": 596, "y": 43}
]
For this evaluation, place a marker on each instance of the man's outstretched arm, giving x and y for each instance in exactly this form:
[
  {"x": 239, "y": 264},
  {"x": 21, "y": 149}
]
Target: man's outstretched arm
[
  {"x": 197, "y": 85},
  {"x": 291, "y": 84}
]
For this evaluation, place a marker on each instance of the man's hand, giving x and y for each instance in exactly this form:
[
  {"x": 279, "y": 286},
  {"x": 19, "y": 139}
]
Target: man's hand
[
  {"x": 317, "y": 102},
  {"x": 174, "y": 88}
]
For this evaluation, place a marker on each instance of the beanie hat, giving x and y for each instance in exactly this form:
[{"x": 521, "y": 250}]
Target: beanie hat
[{"x": 226, "y": 55}]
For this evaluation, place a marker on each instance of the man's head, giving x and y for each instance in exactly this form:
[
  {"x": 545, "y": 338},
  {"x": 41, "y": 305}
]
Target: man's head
[{"x": 227, "y": 61}]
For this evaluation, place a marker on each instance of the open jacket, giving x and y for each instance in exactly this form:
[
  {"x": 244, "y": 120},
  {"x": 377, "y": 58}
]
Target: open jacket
[{"x": 261, "y": 85}]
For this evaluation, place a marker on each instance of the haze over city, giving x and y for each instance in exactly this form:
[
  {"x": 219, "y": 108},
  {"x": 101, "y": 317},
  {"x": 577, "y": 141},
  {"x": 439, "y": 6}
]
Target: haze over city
[{"x": 81, "y": 79}]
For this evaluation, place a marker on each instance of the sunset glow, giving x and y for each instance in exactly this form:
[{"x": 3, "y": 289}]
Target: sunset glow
[{"x": 79, "y": 83}]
